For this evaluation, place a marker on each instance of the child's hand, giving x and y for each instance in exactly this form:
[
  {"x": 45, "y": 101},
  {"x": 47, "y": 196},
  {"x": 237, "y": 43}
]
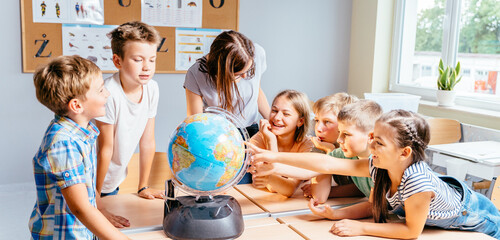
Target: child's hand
[
  {"x": 261, "y": 169},
  {"x": 265, "y": 129},
  {"x": 346, "y": 228},
  {"x": 151, "y": 193},
  {"x": 324, "y": 146},
  {"x": 325, "y": 211},
  {"x": 117, "y": 221},
  {"x": 260, "y": 181},
  {"x": 307, "y": 189},
  {"x": 259, "y": 154}
]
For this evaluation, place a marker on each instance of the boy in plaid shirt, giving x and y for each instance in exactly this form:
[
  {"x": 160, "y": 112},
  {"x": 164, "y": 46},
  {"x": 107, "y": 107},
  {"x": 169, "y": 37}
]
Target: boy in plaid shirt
[{"x": 64, "y": 166}]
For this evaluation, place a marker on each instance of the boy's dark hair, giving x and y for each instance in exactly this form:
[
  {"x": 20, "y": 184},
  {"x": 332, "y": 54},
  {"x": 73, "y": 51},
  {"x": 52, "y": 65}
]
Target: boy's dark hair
[
  {"x": 132, "y": 31},
  {"x": 62, "y": 79}
]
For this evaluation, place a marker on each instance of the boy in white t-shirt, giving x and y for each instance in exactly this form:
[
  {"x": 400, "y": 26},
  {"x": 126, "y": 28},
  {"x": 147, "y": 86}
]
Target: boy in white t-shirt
[{"x": 130, "y": 113}]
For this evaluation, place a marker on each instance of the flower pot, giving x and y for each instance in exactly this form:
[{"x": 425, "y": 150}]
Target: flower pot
[{"x": 445, "y": 98}]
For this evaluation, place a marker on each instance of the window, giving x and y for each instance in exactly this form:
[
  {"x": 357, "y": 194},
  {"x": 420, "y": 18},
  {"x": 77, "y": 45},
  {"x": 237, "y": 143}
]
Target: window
[{"x": 454, "y": 30}]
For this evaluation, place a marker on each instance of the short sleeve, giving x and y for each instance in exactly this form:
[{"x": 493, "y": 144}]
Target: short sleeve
[
  {"x": 154, "y": 98},
  {"x": 417, "y": 182},
  {"x": 66, "y": 164},
  {"x": 261, "y": 54},
  {"x": 110, "y": 116},
  {"x": 306, "y": 146},
  {"x": 190, "y": 82},
  {"x": 258, "y": 140}
]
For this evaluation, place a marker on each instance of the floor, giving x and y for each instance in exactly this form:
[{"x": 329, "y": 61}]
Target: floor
[{"x": 16, "y": 204}]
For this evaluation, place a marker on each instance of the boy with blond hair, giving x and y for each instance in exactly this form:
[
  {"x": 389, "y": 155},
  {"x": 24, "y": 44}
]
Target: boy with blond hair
[
  {"x": 130, "y": 112},
  {"x": 355, "y": 124},
  {"x": 71, "y": 87}
]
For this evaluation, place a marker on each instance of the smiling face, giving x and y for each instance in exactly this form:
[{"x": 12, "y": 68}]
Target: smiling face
[
  {"x": 284, "y": 119},
  {"x": 326, "y": 126},
  {"x": 353, "y": 141},
  {"x": 138, "y": 64},
  {"x": 385, "y": 153}
]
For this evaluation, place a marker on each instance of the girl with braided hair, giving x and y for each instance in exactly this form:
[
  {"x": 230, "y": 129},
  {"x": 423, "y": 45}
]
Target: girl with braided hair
[{"x": 404, "y": 183}]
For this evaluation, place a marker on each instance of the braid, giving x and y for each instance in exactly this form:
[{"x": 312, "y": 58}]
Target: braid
[{"x": 412, "y": 132}]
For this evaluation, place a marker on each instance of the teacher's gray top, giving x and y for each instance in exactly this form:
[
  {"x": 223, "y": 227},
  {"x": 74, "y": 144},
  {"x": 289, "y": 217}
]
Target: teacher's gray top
[{"x": 198, "y": 83}]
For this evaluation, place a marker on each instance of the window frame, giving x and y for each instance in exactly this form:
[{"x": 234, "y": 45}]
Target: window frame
[{"x": 449, "y": 52}]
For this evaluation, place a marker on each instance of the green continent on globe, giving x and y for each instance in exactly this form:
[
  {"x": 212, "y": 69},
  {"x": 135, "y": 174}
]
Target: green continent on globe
[
  {"x": 232, "y": 156},
  {"x": 182, "y": 158}
]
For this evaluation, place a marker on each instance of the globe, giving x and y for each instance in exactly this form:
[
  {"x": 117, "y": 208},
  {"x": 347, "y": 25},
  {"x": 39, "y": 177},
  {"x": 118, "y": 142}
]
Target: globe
[{"x": 206, "y": 152}]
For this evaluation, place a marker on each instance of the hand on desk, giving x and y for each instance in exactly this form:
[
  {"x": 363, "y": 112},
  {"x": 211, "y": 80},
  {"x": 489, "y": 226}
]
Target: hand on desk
[
  {"x": 325, "y": 211},
  {"x": 151, "y": 193},
  {"x": 259, "y": 181},
  {"x": 307, "y": 189},
  {"x": 347, "y": 227},
  {"x": 117, "y": 221}
]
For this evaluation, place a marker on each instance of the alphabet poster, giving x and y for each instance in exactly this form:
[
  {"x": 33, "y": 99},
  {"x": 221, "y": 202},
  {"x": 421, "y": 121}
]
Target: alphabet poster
[
  {"x": 90, "y": 42},
  {"x": 68, "y": 11}
]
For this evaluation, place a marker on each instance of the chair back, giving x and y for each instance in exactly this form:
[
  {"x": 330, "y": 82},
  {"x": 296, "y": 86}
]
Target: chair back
[
  {"x": 495, "y": 192},
  {"x": 160, "y": 171},
  {"x": 444, "y": 130}
]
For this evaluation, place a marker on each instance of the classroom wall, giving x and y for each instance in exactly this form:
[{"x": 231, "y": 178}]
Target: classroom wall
[{"x": 307, "y": 46}]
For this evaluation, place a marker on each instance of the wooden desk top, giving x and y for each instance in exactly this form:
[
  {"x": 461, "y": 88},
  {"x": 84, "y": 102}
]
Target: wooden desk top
[
  {"x": 145, "y": 212},
  {"x": 315, "y": 227},
  {"x": 276, "y": 203},
  {"x": 263, "y": 228}
]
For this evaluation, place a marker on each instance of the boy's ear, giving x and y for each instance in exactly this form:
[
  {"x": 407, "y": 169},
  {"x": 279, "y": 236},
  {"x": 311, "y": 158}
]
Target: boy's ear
[
  {"x": 117, "y": 61},
  {"x": 75, "y": 106}
]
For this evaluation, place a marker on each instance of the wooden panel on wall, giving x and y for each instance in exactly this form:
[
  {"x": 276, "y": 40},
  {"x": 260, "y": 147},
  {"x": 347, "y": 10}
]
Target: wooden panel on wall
[{"x": 43, "y": 41}]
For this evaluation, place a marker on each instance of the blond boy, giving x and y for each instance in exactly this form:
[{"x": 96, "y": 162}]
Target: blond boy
[
  {"x": 130, "y": 112},
  {"x": 71, "y": 87},
  {"x": 355, "y": 124}
]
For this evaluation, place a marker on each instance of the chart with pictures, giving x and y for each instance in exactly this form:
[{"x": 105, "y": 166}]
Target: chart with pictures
[
  {"x": 191, "y": 44},
  {"x": 90, "y": 42},
  {"x": 68, "y": 11},
  {"x": 172, "y": 13}
]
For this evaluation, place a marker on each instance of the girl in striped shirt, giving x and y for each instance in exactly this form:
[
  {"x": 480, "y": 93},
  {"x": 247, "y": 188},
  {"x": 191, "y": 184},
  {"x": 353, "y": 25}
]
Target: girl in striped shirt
[{"x": 404, "y": 185}]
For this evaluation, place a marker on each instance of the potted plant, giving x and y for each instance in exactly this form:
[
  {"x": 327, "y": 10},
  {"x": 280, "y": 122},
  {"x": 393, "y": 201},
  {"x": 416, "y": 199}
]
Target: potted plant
[{"x": 446, "y": 81}]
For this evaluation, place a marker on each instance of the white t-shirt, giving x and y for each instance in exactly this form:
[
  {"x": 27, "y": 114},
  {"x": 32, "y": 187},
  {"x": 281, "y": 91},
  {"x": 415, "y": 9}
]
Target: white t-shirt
[
  {"x": 129, "y": 120},
  {"x": 198, "y": 83}
]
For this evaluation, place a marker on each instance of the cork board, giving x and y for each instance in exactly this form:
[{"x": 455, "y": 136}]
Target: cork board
[{"x": 43, "y": 41}]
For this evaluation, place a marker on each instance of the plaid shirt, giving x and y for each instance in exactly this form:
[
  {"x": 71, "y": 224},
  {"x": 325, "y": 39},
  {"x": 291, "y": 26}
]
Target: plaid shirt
[{"x": 67, "y": 156}]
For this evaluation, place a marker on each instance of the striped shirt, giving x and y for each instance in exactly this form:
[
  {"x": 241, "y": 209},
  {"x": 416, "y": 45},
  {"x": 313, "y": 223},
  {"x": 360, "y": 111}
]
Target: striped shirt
[
  {"x": 66, "y": 157},
  {"x": 419, "y": 177}
]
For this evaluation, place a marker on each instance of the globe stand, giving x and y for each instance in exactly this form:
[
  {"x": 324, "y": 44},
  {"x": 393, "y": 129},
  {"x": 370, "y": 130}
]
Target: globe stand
[{"x": 203, "y": 217}]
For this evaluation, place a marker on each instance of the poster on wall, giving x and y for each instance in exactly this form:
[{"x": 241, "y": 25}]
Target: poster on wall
[
  {"x": 191, "y": 44},
  {"x": 68, "y": 11},
  {"x": 172, "y": 13},
  {"x": 90, "y": 42}
]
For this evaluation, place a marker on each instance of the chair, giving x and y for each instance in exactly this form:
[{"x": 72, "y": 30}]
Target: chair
[
  {"x": 160, "y": 171},
  {"x": 444, "y": 130},
  {"x": 494, "y": 192}
]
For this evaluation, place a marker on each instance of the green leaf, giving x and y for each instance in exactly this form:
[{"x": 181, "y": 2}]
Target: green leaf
[{"x": 457, "y": 68}]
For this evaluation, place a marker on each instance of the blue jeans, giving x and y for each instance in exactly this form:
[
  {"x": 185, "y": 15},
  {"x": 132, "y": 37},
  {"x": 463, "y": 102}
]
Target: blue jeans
[
  {"x": 115, "y": 192},
  {"x": 477, "y": 213}
]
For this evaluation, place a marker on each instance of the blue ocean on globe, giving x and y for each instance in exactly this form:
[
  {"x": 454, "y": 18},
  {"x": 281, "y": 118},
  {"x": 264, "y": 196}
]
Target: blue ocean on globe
[{"x": 206, "y": 152}]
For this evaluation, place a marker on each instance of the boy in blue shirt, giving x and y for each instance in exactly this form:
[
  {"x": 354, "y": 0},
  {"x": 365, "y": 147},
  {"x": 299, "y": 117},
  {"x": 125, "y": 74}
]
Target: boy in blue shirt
[{"x": 64, "y": 166}]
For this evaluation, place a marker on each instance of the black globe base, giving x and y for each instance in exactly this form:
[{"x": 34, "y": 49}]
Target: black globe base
[{"x": 217, "y": 217}]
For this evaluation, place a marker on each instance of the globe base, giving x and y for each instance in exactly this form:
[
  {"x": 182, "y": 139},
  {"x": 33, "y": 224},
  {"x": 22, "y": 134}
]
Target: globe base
[{"x": 219, "y": 217}]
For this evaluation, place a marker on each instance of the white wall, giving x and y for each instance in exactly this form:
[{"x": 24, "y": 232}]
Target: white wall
[{"x": 307, "y": 45}]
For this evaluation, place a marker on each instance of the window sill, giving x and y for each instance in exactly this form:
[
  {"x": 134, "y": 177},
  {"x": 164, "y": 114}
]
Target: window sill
[{"x": 473, "y": 116}]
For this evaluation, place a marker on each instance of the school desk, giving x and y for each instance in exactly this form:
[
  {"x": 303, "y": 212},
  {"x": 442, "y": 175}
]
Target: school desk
[
  {"x": 279, "y": 205},
  {"x": 314, "y": 227},
  {"x": 262, "y": 228},
  {"x": 147, "y": 214},
  {"x": 480, "y": 159}
]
